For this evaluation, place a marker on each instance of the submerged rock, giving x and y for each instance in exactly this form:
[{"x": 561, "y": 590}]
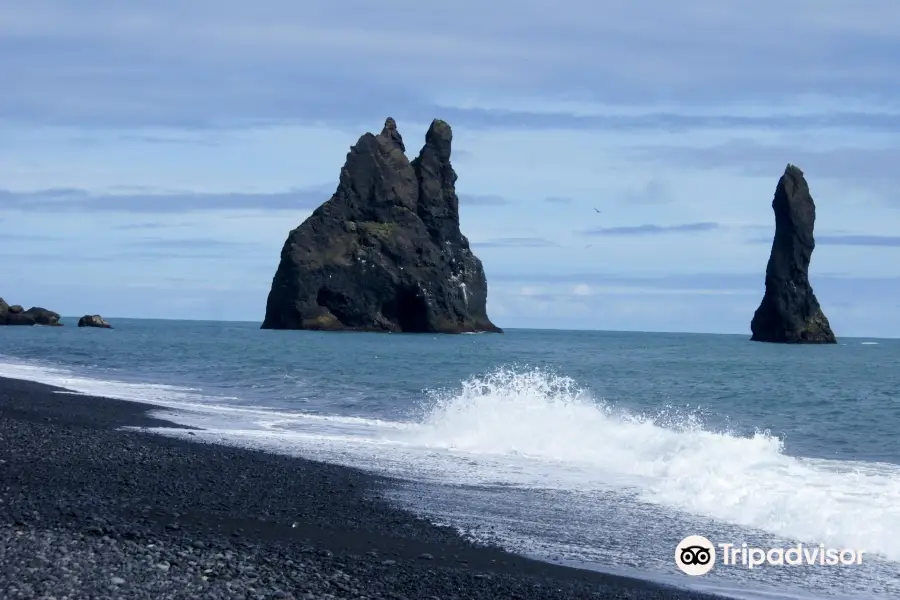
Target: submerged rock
[
  {"x": 385, "y": 252},
  {"x": 789, "y": 312},
  {"x": 93, "y": 321}
]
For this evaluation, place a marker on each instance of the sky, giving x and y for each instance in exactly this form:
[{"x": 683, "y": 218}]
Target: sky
[{"x": 156, "y": 154}]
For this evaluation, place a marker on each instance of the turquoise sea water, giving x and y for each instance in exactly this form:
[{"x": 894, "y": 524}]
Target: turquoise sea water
[{"x": 597, "y": 448}]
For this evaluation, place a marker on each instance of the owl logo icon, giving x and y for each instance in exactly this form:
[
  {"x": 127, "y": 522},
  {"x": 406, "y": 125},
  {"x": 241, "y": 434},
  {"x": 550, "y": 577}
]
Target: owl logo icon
[{"x": 695, "y": 555}]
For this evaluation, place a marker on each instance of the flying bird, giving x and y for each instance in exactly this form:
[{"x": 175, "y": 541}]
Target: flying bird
[{"x": 596, "y": 211}]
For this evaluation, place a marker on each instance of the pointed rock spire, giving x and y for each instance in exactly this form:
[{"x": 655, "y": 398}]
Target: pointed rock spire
[
  {"x": 439, "y": 138},
  {"x": 391, "y": 133},
  {"x": 438, "y": 205},
  {"x": 789, "y": 311}
]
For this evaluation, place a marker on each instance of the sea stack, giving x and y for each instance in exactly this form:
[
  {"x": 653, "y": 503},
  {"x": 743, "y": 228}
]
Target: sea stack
[
  {"x": 16, "y": 315},
  {"x": 385, "y": 252},
  {"x": 94, "y": 321},
  {"x": 789, "y": 312}
]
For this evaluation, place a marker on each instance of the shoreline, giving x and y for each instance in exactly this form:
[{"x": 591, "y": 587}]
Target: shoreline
[{"x": 88, "y": 510}]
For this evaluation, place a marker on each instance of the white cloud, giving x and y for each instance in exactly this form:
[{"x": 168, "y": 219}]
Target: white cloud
[{"x": 582, "y": 290}]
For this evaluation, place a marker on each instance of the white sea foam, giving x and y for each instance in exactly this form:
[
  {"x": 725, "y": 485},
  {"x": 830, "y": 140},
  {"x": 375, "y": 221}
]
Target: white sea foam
[{"x": 535, "y": 430}]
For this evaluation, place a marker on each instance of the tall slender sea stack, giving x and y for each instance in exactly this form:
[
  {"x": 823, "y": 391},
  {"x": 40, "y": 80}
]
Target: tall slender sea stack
[
  {"x": 385, "y": 252},
  {"x": 789, "y": 312}
]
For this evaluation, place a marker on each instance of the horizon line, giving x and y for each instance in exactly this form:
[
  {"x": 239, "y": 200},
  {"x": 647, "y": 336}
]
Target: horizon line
[{"x": 505, "y": 329}]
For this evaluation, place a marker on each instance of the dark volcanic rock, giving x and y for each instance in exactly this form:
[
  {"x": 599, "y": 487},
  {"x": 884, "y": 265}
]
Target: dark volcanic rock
[
  {"x": 93, "y": 321},
  {"x": 789, "y": 312},
  {"x": 42, "y": 316},
  {"x": 19, "y": 319},
  {"x": 385, "y": 252},
  {"x": 15, "y": 315}
]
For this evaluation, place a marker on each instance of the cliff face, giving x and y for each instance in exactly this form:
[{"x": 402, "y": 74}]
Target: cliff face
[
  {"x": 789, "y": 312},
  {"x": 385, "y": 252}
]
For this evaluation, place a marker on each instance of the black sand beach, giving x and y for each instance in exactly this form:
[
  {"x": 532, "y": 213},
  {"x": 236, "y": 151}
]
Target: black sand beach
[{"x": 88, "y": 511}]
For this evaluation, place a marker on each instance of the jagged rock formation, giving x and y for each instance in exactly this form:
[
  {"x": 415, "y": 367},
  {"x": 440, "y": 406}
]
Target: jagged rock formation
[
  {"x": 385, "y": 252},
  {"x": 93, "y": 321},
  {"x": 789, "y": 312},
  {"x": 15, "y": 315}
]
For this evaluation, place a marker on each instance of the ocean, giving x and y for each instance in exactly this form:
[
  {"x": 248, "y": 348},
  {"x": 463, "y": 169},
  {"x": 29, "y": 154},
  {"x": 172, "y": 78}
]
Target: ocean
[{"x": 597, "y": 449}]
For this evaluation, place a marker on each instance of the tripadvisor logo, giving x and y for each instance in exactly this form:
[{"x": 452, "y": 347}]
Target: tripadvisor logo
[{"x": 696, "y": 555}]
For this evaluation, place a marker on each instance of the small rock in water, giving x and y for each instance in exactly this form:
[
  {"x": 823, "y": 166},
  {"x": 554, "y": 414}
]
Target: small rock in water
[{"x": 94, "y": 321}]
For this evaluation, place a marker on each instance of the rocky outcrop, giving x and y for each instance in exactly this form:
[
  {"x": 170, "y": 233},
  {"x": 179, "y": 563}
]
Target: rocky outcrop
[
  {"x": 385, "y": 252},
  {"x": 94, "y": 321},
  {"x": 789, "y": 312},
  {"x": 15, "y": 315}
]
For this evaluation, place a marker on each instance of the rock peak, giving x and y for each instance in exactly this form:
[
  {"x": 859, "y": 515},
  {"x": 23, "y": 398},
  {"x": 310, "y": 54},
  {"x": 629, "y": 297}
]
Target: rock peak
[
  {"x": 789, "y": 311},
  {"x": 439, "y": 131},
  {"x": 391, "y": 133},
  {"x": 439, "y": 137},
  {"x": 793, "y": 177}
]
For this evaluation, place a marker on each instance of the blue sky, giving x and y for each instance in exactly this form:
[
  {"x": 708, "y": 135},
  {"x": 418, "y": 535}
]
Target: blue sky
[{"x": 155, "y": 155}]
